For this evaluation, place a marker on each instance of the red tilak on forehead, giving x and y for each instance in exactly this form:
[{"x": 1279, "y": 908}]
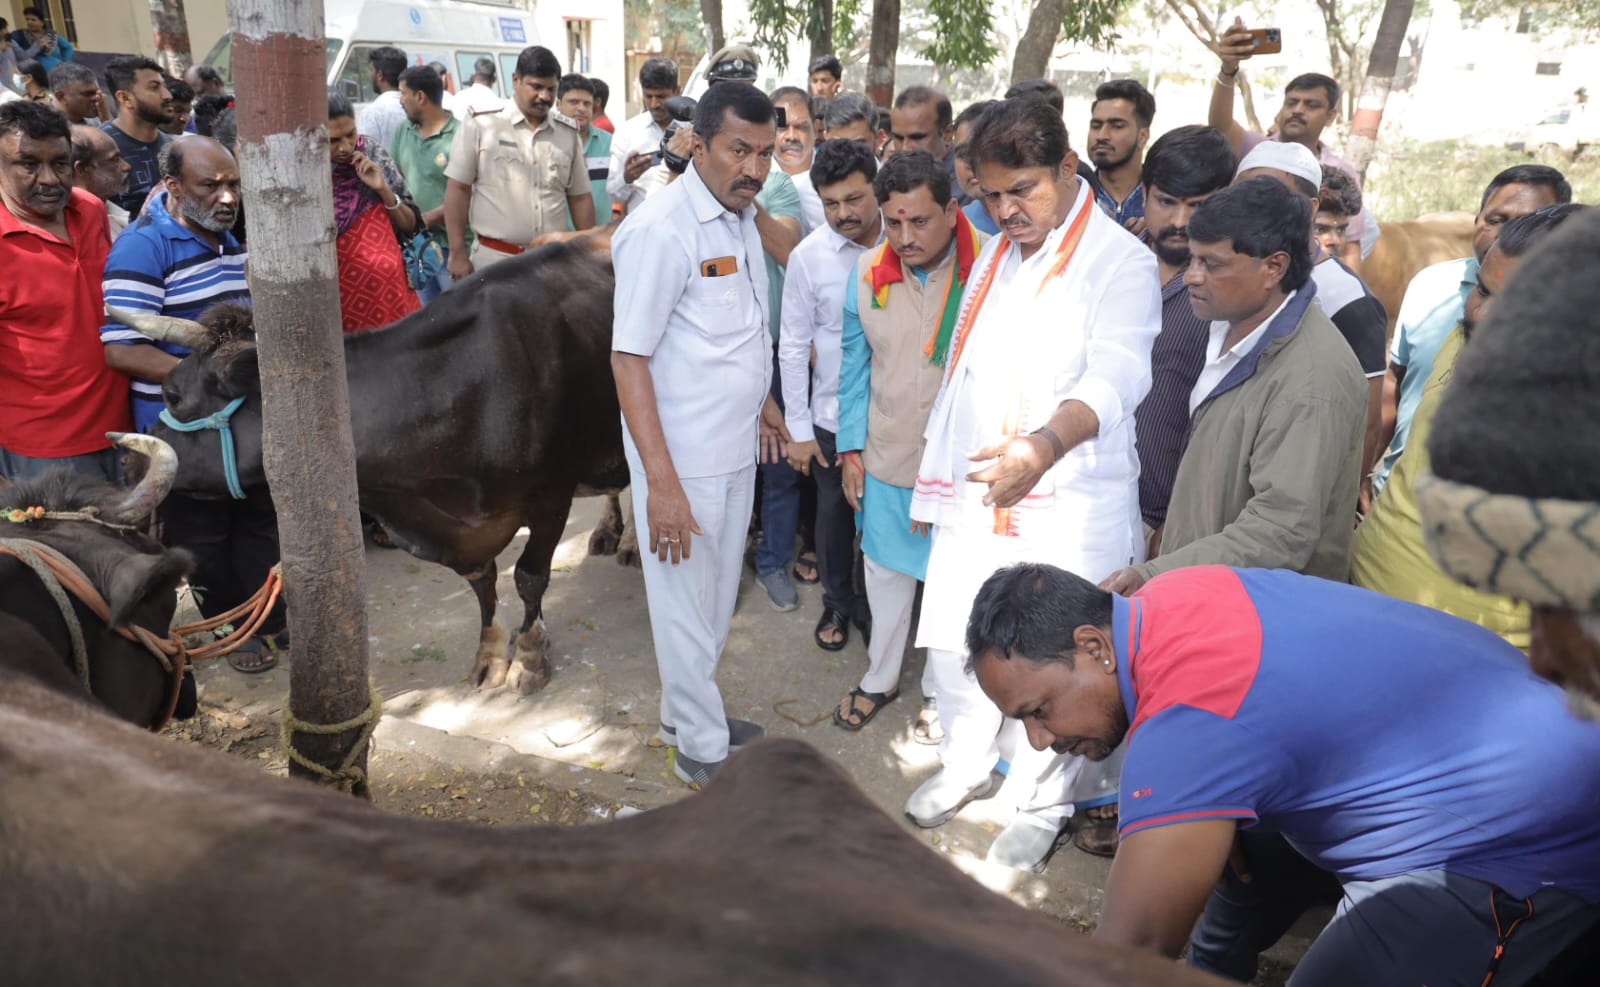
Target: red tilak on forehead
[{"x": 900, "y": 212}]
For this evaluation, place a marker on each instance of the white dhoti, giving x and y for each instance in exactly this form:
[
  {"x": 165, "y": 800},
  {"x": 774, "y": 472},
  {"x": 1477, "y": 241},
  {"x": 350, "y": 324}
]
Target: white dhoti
[
  {"x": 691, "y": 606},
  {"x": 891, "y": 594},
  {"x": 1074, "y": 322},
  {"x": 1042, "y": 783}
]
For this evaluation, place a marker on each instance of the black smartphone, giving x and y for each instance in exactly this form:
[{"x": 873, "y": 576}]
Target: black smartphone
[{"x": 782, "y": 117}]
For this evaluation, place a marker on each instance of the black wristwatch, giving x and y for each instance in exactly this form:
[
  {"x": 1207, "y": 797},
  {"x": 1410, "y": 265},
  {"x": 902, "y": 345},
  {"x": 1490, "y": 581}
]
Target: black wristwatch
[{"x": 1057, "y": 447}]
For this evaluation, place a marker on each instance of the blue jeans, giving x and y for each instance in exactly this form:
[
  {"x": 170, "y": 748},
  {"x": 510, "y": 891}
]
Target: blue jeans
[
  {"x": 439, "y": 284},
  {"x": 105, "y": 464},
  {"x": 780, "y": 502}
]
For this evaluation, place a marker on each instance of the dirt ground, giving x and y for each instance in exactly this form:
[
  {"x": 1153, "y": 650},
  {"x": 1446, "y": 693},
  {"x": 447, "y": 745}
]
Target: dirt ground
[{"x": 581, "y": 750}]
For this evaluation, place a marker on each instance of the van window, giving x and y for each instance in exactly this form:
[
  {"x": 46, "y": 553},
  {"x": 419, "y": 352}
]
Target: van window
[
  {"x": 508, "y": 68},
  {"x": 357, "y": 70},
  {"x": 220, "y": 58},
  {"x": 465, "y": 60}
]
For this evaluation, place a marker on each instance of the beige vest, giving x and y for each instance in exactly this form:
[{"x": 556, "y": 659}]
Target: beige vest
[{"x": 904, "y": 381}]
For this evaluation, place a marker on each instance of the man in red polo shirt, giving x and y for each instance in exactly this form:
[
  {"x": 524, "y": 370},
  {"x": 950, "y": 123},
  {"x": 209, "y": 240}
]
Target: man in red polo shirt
[{"x": 57, "y": 396}]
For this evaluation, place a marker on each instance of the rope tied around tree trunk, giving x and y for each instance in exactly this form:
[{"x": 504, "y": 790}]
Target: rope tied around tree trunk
[{"x": 347, "y": 776}]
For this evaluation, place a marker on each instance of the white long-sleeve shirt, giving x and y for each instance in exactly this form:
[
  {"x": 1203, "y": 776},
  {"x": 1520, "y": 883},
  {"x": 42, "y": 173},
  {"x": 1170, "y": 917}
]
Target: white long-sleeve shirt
[
  {"x": 813, "y": 315},
  {"x": 637, "y": 135}
]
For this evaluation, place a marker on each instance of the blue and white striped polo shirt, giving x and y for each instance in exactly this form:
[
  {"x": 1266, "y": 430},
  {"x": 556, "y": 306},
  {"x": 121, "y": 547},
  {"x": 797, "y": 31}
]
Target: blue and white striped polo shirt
[{"x": 160, "y": 267}]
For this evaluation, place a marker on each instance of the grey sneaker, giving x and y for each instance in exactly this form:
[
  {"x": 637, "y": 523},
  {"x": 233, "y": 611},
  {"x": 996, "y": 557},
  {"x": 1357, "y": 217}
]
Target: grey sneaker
[
  {"x": 740, "y": 733},
  {"x": 1023, "y": 846},
  {"x": 695, "y": 774},
  {"x": 781, "y": 593}
]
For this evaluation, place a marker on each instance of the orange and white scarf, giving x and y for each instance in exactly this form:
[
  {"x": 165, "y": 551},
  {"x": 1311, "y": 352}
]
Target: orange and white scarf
[{"x": 941, "y": 478}]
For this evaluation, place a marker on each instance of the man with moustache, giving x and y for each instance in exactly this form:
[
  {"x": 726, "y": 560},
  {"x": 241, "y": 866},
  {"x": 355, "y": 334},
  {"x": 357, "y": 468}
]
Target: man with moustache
[
  {"x": 808, "y": 361},
  {"x": 1278, "y": 410},
  {"x": 143, "y": 105},
  {"x": 98, "y": 168},
  {"x": 797, "y": 141},
  {"x": 1310, "y": 105},
  {"x": 1388, "y": 555},
  {"x": 515, "y": 172},
  {"x": 1119, "y": 127},
  {"x": 1436, "y": 297},
  {"x": 77, "y": 93},
  {"x": 178, "y": 259},
  {"x": 1440, "y": 780},
  {"x": 636, "y": 146},
  {"x": 900, "y": 310},
  {"x": 921, "y": 120},
  {"x": 691, "y": 357},
  {"x": 1184, "y": 168},
  {"x": 57, "y": 396},
  {"x": 1030, "y": 445}
]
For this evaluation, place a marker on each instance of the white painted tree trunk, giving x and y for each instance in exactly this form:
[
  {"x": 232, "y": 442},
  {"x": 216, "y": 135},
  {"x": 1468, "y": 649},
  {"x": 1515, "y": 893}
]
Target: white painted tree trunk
[
  {"x": 171, "y": 29},
  {"x": 278, "y": 71}
]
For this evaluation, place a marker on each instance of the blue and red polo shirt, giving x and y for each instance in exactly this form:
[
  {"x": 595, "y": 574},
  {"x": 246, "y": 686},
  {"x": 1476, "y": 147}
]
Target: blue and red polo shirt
[{"x": 1379, "y": 737}]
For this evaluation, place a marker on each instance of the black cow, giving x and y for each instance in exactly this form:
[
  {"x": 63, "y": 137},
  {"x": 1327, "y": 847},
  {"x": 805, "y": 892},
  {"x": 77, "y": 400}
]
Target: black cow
[
  {"x": 128, "y": 859},
  {"x": 136, "y": 577},
  {"x": 483, "y": 413}
]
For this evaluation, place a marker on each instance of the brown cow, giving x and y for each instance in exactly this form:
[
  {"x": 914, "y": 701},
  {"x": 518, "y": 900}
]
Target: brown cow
[
  {"x": 1407, "y": 247},
  {"x": 127, "y": 859}
]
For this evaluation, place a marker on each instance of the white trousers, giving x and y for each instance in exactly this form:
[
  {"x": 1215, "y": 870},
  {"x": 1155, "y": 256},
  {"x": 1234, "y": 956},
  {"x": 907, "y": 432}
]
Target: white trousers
[
  {"x": 691, "y": 605},
  {"x": 891, "y": 594},
  {"x": 1043, "y": 785}
]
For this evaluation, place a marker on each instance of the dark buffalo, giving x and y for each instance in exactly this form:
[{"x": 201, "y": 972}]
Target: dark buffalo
[
  {"x": 137, "y": 579},
  {"x": 485, "y": 412},
  {"x": 128, "y": 859}
]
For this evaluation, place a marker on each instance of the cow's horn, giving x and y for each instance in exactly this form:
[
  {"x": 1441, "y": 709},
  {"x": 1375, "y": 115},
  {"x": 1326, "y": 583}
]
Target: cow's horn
[
  {"x": 184, "y": 332},
  {"x": 140, "y": 502}
]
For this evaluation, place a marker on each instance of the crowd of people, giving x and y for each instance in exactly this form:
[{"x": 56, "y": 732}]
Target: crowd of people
[{"x": 1107, "y": 437}]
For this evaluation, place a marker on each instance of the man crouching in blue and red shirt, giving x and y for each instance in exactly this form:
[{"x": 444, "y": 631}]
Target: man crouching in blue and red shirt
[{"x": 1290, "y": 736}]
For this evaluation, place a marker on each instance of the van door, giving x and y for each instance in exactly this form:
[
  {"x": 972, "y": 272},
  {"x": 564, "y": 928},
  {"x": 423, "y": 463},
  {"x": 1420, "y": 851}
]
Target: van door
[{"x": 465, "y": 70}]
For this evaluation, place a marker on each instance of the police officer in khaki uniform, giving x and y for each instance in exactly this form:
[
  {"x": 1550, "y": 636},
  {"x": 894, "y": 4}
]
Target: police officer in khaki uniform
[{"x": 515, "y": 171}]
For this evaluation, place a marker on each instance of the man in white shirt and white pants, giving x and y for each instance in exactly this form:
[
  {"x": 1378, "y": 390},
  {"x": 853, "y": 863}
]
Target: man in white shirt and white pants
[
  {"x": 813, "y": 320},
  {"x": 692, "y": 361},
  {"x": 1030, "y": 452}
]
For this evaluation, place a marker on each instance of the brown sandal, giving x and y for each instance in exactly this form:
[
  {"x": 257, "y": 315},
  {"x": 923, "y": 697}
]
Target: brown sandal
[
  {"x": 878, "y": 701},
  {"x": 927, "y": 729}
]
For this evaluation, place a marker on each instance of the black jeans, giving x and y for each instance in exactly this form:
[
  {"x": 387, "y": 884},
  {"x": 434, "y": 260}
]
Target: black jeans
[
  {"x": 836, "y": 535},
  {"x": 234, "y": 542}
]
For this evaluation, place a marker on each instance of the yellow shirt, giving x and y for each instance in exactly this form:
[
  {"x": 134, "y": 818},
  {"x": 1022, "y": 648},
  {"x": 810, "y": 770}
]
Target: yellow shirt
[
  {"x": 1388, "y": 555},
  {"x": 521, "y": 175}
]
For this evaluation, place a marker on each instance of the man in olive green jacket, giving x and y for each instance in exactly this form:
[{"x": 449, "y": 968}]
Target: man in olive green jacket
[{"x": 1270, "y": 474}]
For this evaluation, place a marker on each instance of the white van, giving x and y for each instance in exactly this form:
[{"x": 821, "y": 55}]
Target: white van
[{"x": 454, "y": 32}]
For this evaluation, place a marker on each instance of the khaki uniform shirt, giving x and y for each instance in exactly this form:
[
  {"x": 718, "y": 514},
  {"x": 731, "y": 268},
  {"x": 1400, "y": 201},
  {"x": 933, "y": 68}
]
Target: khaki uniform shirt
[{"x": 520, "y": 175}]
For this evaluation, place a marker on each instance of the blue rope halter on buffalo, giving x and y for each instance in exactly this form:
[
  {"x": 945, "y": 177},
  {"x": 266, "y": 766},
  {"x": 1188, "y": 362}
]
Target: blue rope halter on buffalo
[{"x": 219, "y": 423}]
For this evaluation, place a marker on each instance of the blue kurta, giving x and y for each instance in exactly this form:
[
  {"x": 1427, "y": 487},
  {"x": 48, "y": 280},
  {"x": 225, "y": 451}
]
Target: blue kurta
[{"x": 885, "y": 516}]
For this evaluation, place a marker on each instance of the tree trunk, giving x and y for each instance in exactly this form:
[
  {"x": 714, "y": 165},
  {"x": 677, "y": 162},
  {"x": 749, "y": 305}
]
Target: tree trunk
[
  {"x": 1038, "y": 41},
  {"x": 171, "y": 30},
  {"x": 1380, "y": 79},
  {"x": 279, "y": 67},
  {"x": 711, "y": 14},
  {"x": 883, "y": 48},
  {"x": 822, "y": 39}
]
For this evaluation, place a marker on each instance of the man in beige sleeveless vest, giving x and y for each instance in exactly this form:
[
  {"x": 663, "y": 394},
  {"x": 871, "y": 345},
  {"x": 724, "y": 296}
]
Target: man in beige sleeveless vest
[{"x": 900, "y": 312}]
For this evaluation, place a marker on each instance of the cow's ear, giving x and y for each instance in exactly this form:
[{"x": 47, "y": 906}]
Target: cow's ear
[
  {"x": 143, "y": 589},
  {"x": 241, "y": 374}
]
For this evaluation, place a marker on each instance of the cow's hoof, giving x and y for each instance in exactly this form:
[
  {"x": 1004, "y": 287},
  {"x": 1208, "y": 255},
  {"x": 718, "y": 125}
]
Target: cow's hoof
[
  {"x": 530, "y": 667},
  {"x": 528, "y": 677},
  {"x": 605, "y": 539},
  {"x": 490, "y": 665}
]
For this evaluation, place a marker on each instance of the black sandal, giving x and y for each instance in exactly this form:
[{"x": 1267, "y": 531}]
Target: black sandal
[
  {"x": 878, "y": 701},
  {"x": 833, "y": 620},
  {"x": 809, "y": 560}
]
